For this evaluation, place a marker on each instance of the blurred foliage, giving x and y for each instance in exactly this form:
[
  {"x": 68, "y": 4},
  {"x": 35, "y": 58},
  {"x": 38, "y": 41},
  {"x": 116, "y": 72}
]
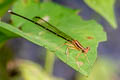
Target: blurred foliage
[
  {"x": 5, "y": 56},
  {"x": 33, "y": 71},
  {"x": 103, "y": 70},
  {"x": 4, "y": 6},
  {"x": 5, "y": 51},
  {"x": 63, "y": 19},
  {"x": 3, "y": 38},
  {"x": 104, "y": 8}
]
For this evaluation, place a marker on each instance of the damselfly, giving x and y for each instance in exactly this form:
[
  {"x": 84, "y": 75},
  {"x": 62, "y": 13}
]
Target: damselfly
[{"x": 71, "y": 43}]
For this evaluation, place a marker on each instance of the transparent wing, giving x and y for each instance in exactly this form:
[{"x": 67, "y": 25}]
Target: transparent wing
[{"x": 51, "y": 27}]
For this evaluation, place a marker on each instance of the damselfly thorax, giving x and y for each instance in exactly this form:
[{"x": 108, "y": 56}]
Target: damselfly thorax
[{"x": 80, "y": 47}]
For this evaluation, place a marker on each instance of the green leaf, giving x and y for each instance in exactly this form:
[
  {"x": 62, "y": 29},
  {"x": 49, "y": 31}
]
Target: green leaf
[
  {"x": 3, "y": 38},
  {"x": 67, "y": 21},
  {"x": 5, "y": 35},
  {"x": 4, "y": 6},
  {"x": 104, "y": 8}
]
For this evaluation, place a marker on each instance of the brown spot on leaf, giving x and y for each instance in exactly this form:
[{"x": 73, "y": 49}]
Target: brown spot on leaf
[{"x": 89, "y": 37}]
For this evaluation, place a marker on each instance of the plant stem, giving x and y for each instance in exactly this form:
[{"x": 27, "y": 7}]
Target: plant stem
[{"x": 49, "y": 62}]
